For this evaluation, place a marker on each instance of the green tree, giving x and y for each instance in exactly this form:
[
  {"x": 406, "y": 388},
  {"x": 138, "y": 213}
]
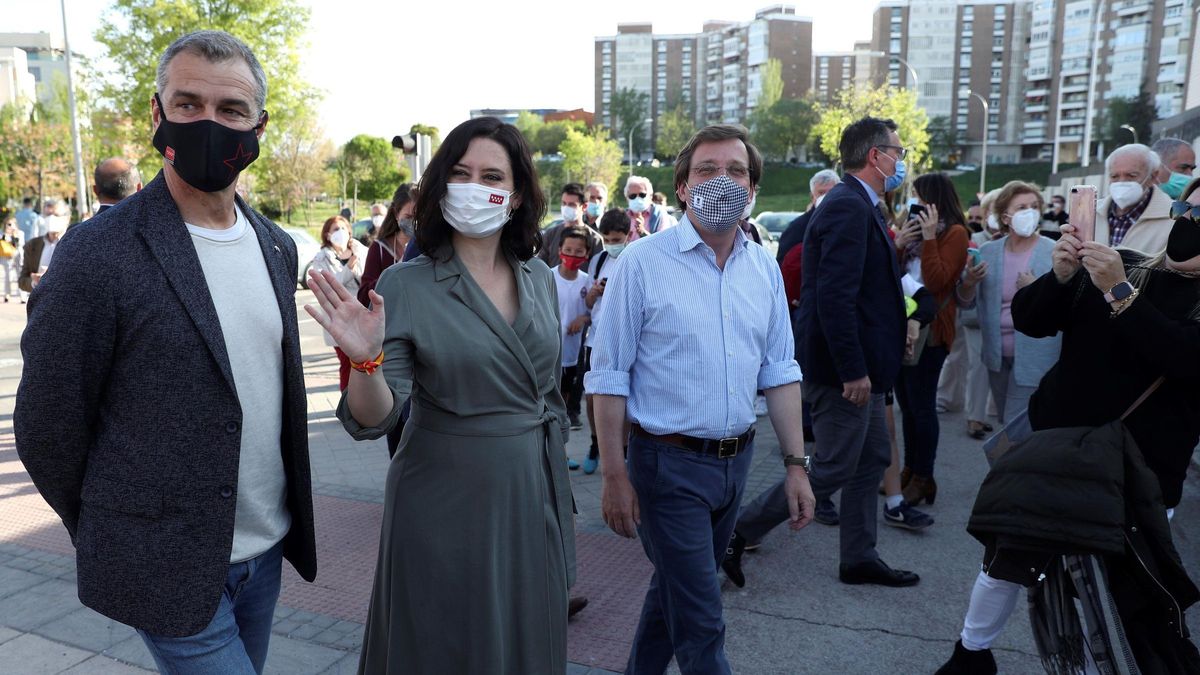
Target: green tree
[
  {"x": 629, "y": 108},
  {"x": 297, "y": 170},
  {"x": 784, "y": 126},
  {"x": 529, "y": 124},
  {"x": 552, "y": 134},
  {"x": 36, "y": 157},
  {"x": 371, "y": 168},
  {"x": 675, "y": 129},
  {"x": 943, "y": 140},
  {"x": 900, "y": 105},
  {"x": 771, "y": 84},
  {"x": 1138, "y": 112},
  {"x": 435, "y": 139},
  {"x": 591, "y": 156}
]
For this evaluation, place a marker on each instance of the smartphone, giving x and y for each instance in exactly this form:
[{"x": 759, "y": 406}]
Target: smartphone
[
  {"x": 915, "y": 210},
  {"x": 974, "y": 255},
  {"x": 1083, "y": 212}
]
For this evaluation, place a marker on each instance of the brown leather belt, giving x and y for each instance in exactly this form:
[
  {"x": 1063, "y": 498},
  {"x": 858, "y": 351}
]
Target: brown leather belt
[{"x": 721, "y": 448}]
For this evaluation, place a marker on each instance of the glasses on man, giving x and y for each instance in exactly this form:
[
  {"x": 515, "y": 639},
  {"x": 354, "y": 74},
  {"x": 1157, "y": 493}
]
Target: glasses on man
[
  {"x": 1186, "y": 168},
  {"x": 1185, "y": 210},
  {"x": 903, "y": 151},
  {"x": 633, "y": 195}
]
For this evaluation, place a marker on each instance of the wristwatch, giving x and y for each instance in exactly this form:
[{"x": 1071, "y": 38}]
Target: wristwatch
[
  {"x": 1119, "y": 292},
  {"x": 804, "y": 462}
]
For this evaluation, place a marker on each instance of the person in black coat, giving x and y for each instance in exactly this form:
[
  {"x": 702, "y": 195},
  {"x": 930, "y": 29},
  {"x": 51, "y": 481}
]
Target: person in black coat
[{"x": 1127, "y": 320}]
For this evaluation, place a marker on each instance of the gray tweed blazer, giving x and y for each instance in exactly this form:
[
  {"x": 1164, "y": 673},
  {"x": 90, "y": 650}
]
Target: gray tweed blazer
[{"x": 128, "y": 421}]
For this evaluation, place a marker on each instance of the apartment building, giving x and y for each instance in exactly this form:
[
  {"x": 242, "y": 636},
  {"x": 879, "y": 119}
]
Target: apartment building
[
  {"x": 17, "y": 85},
  {"x": 965, "y": 59},
  {"x": 715, "y": 74},
  {"x": 834, "y": 71}
]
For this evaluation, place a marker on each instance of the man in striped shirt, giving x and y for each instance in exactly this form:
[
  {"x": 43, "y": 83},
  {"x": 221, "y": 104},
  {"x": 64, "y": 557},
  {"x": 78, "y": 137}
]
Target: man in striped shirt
[{"x": 679, "y": 352}]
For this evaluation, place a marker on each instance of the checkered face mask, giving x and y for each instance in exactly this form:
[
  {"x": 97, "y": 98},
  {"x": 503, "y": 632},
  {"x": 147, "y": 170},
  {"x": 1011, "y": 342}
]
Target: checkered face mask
[{"x": 717, "y": 204}]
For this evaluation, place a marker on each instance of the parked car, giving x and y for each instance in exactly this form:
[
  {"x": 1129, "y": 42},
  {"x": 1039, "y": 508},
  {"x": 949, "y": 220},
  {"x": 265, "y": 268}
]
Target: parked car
[
  {"x": 306, "y": 249},
  {"x": 776, "y": 221},
  {"x": 967, "y": 167},
  {"x": 770, "y": 240}
]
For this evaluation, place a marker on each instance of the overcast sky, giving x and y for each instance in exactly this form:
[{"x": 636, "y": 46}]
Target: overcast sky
[{"x": 385, "y": 65}]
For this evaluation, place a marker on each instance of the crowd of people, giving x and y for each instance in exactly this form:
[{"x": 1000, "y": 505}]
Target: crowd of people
[{"x": 471, "y": 336}]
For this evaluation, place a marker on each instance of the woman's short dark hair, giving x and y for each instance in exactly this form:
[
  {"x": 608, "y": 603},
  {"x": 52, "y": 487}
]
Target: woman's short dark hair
[
  {"x": 614, "y": 220},
  {"x": 937, "y": 189},
  {"x": 860, "y": 137},
  {"x": 521, "y": 235},
  {"x": 406, "y": 193}
]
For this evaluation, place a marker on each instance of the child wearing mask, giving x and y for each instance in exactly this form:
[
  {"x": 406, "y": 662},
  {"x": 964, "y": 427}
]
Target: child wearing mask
[
  {"x": 614, "y": 229},
  {"x": 573, "y": 311}
]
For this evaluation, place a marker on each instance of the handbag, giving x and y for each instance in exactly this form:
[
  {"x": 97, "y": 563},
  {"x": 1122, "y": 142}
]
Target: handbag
[
  {"x": 1018, "y": 430},
  {"x": 7, "y": 249}
]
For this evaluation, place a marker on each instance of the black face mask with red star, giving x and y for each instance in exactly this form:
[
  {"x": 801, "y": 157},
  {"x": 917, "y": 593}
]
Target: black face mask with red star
[{"x": 206, "y": 154}]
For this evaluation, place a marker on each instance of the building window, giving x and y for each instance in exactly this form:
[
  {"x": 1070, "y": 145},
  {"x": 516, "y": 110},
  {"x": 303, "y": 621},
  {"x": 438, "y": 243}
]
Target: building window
[
  {"x": 607, "y": 47},
  {"x": 662, "y": 46}
]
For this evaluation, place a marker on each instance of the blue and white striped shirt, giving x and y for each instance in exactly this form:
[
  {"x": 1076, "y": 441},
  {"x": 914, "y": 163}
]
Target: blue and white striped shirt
[{"x": 689, "y": 344}]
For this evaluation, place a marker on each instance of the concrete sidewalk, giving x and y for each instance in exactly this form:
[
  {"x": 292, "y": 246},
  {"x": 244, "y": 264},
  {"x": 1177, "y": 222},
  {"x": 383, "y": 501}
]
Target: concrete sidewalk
[{"x": 793, "y": 616}]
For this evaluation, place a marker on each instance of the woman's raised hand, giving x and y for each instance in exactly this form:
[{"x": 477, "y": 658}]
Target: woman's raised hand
[
  {"x": 357, "y": 330},
  {"x": 1066, "y": 255}
]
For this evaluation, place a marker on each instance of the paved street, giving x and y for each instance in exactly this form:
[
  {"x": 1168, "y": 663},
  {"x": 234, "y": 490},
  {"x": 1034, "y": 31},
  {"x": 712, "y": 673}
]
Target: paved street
[{"x": 793, "y": 616}]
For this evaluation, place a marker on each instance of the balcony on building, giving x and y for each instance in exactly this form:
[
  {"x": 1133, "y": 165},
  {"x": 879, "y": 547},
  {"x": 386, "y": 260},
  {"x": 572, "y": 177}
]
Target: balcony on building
[
  {"x": 1131, "y": 7},
  {"x": 1040, "y": 92}
]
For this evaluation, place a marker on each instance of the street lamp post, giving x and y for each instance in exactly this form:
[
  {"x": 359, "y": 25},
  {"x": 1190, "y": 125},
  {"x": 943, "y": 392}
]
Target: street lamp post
[
  {"x": 631, "y": 132},
  {"x": 983, "y": 167},
  {"x": 884, "y": 55},
  {"x": 81, "y": 199},
  {"x": 1131, "y": 130}
]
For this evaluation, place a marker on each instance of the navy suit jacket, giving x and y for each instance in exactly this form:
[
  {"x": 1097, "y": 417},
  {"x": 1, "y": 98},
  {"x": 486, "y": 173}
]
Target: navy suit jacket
[
  {"x": 128, "y": 421},
  {"x": 851, "y": 320}
]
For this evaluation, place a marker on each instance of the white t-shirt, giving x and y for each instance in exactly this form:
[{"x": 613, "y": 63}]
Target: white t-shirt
[
  {"x": 599, "y": 272},
  {"x": 248, "y": 310},
  {"x": 571, "y": 305}
]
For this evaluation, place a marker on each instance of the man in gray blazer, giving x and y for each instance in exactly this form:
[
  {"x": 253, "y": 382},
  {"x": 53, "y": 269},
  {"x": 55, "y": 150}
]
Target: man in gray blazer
[{"x": 162, "y": 410}]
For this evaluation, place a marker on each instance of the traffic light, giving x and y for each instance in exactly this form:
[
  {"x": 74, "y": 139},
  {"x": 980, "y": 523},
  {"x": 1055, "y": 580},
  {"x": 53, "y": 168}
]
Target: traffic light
[{"x": 407, "y": 143}]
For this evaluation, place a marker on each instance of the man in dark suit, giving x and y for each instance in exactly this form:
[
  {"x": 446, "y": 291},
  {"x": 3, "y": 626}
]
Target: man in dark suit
[
  {"x": 850, "y": 341},
  {"x": 39, "y": 251},
  {"x": 162, "y": 410},
  {"x": 114, "y": 179}
]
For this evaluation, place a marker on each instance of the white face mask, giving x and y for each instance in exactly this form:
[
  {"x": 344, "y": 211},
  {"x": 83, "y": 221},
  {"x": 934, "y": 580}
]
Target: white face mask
[
  {"x": 817, "y": 201},
  {"x": 569, "y": 213},
  {"x": 377, "y": 220},
  {"x": 1126, "y": 193},
  {"x": 57, "y": 224},
  {"x": 339, "y": 238},
  {"x": 476, "y": 211},
  {"x": 992, "y": 223},
  {"x": 749, "y": 208},
  {"x": 1025, "y": 222}
]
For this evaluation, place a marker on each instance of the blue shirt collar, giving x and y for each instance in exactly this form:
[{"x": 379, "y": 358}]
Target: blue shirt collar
[{"x": 871, "y": 194}]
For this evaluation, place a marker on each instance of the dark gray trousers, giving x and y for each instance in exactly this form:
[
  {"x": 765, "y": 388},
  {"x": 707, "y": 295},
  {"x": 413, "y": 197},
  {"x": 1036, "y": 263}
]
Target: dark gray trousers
[{"x": 852, "y": 453}]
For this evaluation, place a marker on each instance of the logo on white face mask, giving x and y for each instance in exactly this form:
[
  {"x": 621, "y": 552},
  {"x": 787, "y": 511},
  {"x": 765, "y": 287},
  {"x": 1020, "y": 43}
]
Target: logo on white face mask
[{"x": 476, "y": 211}]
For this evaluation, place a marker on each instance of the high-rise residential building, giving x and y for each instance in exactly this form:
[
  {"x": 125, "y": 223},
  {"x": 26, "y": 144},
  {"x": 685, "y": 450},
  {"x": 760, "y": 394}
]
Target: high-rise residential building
[
  {"x": 46, "y": 60},
  {"x": 835, "y": 71},
  {"x": 714, "y": 74},
  {"x": 960, "y": 55},
  {"x": 1032, "y": 62}
]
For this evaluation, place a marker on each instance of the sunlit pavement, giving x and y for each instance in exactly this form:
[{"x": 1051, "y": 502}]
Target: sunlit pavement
[{"x": 792, "y": 617}]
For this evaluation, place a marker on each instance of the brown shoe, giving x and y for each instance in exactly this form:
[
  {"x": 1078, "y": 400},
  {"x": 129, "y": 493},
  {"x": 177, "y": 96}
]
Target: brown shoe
[
  {"x": 575, "y": 605},
  {"x": 920, "y": 489},
  {"x": 905, "y": 477}
]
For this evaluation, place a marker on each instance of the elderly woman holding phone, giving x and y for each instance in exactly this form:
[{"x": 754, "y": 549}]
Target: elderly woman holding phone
[
  {"x": 1130, "y": 326},
  {"x": 1015, "y": 362}
]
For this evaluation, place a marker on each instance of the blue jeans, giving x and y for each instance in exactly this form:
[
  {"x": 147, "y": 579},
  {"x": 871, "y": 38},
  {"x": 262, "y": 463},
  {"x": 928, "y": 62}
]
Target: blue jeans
[
  {"x": 235, "y": 641},
  {"x": 689, "y": 504},
  {"x": 916, "y": 391}
]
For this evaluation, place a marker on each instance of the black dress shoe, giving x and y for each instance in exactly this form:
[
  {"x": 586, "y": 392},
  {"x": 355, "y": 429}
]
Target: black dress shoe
[
  {"x": 575, "y": 605},
  {"x": 876, "y": 572},
  {"x": 965, "y": 662},
  {"x": 732, "y": 564}
]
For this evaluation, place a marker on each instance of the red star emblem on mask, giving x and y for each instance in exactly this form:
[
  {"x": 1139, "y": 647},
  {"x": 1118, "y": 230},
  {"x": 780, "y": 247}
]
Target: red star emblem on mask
[{"x": 239, "y": 161}]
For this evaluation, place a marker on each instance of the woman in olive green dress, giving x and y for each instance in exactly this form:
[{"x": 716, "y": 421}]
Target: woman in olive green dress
[{"x": 477, "y": 549}]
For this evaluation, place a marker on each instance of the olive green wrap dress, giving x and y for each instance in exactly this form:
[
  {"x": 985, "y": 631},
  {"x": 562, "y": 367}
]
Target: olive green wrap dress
[{"x": 477, "y": 549}]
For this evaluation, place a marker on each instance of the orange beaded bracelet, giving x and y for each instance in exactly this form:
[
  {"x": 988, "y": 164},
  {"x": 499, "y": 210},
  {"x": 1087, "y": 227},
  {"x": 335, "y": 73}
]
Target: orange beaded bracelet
[{"x": 368, "y": 367}]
